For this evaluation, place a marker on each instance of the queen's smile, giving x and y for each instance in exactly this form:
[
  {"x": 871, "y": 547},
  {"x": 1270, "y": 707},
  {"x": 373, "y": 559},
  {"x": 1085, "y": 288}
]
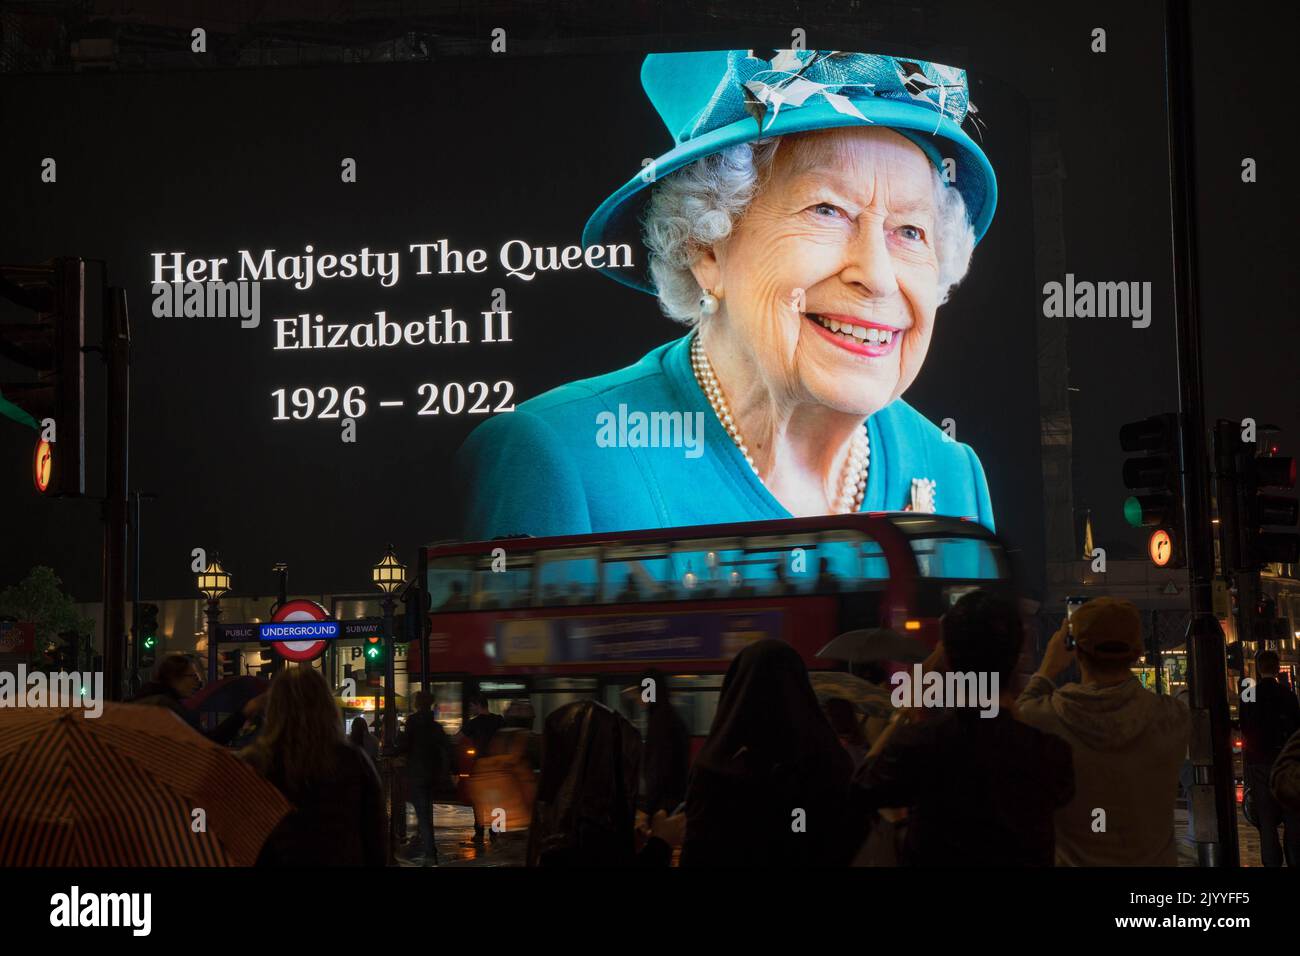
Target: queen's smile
[{"x": 872, "y": 339}]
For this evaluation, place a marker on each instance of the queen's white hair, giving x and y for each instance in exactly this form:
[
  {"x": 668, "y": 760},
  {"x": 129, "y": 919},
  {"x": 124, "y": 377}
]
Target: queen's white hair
[{"x": 699, "y": 205}]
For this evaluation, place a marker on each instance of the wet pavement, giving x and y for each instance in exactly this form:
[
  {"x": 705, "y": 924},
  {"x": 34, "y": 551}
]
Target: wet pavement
[
  {"x": 453, "y": 832},
  {"x": 1247, "y": 840}
]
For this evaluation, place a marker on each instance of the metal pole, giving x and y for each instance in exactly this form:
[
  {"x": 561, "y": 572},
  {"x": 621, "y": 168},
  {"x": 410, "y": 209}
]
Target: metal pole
[
  {"x": 1157, "y": 656},
  {"x": 422, "y": 576},
  {"x": 282, "y": 571},
  {"x": 390, "y": 727},
  {"x": 1213, "y": 804},
  {"x": 390, "y": 697},
  {"x": 133, "y": 670},
  {"x": 117, "y": 355},
  {"x": 214, "y": 645}
]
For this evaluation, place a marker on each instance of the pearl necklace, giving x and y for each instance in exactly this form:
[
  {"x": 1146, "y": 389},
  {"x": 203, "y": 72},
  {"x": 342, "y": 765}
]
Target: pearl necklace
[{"x": 853, "y": 485}]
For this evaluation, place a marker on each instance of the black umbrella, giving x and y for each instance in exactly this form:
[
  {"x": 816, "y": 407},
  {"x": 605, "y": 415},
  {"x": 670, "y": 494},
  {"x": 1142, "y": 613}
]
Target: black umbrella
[{"x": 875, "y": 644}]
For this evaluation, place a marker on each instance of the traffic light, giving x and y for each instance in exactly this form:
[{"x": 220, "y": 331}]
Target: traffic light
[
  {"x": 1260, "y": 546},
  {"x": 1156, "y": 476},
  {"x": 51, "y": 346},
  {"x": 373, "y": 652},
  {"x": 148, "y": 635},
  {"x": 1246, "y": 514},
  {"x": 1235, "y": 657},
  {"x": 415, "y": 619},
  {"x": 1268, "y": 625}
]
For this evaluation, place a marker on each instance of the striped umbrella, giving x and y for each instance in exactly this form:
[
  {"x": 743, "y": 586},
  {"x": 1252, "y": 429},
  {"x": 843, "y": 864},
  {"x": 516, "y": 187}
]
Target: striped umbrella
[{"x": 122, "y": 789}]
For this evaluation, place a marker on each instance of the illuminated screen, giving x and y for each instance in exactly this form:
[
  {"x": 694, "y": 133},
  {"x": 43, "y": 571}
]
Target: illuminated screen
[{"x": 421, "y": 332}]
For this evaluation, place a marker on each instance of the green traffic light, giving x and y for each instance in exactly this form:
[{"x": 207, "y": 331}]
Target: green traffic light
[
  {"x": 149, "y": 642},
  {"x": 372, "y": 652},
  {"x": 1133, "y": 511}
]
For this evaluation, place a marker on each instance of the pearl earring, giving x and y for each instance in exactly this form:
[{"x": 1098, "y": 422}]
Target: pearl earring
[{"x": 708, "y": 303}]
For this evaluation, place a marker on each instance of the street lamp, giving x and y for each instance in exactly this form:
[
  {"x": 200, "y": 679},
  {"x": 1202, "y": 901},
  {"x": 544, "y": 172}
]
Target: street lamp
[
  {"x": 389, "y": 575},
  {"x": 213, "y": 582}
]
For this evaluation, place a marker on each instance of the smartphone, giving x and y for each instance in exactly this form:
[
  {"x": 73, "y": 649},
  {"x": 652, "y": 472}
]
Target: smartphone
[{"x": 1070, "y": 604}]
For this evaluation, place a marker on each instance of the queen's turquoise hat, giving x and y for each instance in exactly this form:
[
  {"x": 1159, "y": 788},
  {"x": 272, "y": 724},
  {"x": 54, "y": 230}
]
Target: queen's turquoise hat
[{"x": 712, "y": 100}]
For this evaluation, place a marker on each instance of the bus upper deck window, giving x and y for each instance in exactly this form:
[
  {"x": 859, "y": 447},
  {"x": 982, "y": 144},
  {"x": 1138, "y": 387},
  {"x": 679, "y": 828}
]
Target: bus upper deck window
[
  {"x": 848, "y": 559},
  {"x": 449, "y": 582},
  {"x": 636, "y": 573},
  {"x": 784, "y": 565},
  {"x": 967, "y": 558},
  {"x": 568, "y": 576},
  {"x": 512, "y": 587},
  {"x": 706, "y": 569}
]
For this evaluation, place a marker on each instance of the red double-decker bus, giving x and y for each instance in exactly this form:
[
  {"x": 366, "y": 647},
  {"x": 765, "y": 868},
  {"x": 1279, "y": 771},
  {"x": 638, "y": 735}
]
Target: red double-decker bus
[{"x": 534, "y": 623}]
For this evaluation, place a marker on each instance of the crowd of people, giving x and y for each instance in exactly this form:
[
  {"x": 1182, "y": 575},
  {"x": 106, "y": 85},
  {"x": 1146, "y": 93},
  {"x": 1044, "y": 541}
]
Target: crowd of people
[{"x": 1083, "y": 773}]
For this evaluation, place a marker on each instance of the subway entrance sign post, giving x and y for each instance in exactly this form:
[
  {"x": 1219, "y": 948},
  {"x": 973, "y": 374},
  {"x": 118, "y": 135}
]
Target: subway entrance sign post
[{"x": 299, "y": 631}]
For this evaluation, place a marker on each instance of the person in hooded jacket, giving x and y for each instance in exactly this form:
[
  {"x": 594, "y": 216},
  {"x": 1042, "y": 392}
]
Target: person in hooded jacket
[
  {"x": 771, "y": 785},
  {"x": 1128, "y": 743},
  {"x": 667, "y": 750},
  {"x": 585, "y": 812}
]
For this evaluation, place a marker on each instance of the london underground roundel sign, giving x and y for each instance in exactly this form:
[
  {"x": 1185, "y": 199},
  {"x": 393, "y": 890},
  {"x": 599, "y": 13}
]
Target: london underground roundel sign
[{"x": 299, "y": 611}]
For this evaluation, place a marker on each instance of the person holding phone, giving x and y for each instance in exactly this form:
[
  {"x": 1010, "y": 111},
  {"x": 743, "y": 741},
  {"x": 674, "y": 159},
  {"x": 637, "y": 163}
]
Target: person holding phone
[
  {"x": 1128, "y": 743},
  {"x": 1072, "y": 604}
]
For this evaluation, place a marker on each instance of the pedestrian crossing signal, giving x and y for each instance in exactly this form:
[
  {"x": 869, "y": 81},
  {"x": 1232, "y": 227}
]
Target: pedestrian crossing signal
[
  {"x": 148, "y": 635},
  {"x": 373, "y": 652}
]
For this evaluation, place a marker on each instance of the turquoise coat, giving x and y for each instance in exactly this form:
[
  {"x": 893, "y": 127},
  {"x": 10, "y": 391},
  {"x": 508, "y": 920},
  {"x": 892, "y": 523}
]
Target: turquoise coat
[{"x": 549, "y": 468}]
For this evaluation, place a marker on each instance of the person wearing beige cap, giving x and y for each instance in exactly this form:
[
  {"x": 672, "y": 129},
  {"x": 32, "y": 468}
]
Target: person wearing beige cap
[{"x": 1128, "y": 743}]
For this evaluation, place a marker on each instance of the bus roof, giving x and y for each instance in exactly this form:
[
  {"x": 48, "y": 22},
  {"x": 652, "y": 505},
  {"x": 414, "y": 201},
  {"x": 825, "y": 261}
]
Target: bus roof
[{"x": 875, "y": 524}]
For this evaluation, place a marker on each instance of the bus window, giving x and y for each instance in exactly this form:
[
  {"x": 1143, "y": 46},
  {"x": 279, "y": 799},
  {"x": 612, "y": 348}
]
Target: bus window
[
  {"x": 846, "y": 561},
  {"x": 635, "y": 573},
  {"x": 502, "y": 589},
  {"x": 780, "y": 565},
  {"x": 502, "y": 695},
  {"x": 695, "y": 698},
  {"x": 956, "y": 558},
  {"x": 875, "y": 566},
  {"x": 704, "y": 569},
  {"x": 568, "y": 576},
  {"x": 623, "y": 696},
  {"x": 552, "y": 693},
  {"x": 447, "y": 705},
  {"x": 449, "y": 584}
]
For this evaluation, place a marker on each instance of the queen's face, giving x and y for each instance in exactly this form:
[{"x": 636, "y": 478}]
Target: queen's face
[{"x": 848, "y": 217}]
